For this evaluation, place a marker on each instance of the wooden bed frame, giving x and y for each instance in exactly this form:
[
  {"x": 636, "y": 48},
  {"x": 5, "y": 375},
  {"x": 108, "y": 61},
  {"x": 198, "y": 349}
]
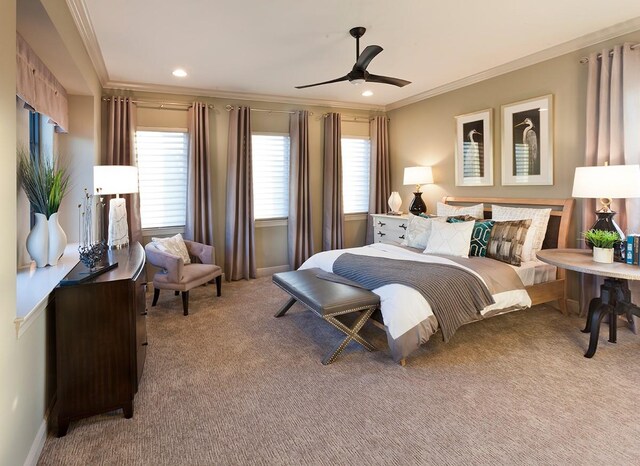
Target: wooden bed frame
[{"x": 556, "y": 237}]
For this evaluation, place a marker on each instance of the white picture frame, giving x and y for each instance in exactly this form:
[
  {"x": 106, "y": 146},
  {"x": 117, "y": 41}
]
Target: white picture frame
[
  {"x": 474, "y": 149},
  {"x": 527, "y": 142}
]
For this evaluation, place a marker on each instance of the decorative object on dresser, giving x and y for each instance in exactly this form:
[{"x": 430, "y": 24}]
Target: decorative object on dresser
[
  {"x": 389, "y": 228},
  {"x": 178, "y": 272},
  {"x": 527, "y": 142},
  {"x": 607, "y": 182},
  {"x": 417, "y": 176},
  {"x": 101, "y": 339},
  {"x": 395, "y": 201},
  {"x": 116, "y": 179},
  {"x": 603, "y": 243},
  {"x": 474, "y": 149}
]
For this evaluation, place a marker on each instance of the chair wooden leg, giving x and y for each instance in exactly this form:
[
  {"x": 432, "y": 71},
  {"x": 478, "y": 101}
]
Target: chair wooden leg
[
  {"x": 156, "y": 293},
  {"x": 219, "y": 285},
  {"x": 185, "y": 302}
]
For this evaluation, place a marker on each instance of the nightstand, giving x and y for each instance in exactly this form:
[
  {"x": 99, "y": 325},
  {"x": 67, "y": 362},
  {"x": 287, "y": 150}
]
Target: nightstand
[{"x": 389, "y": 228}]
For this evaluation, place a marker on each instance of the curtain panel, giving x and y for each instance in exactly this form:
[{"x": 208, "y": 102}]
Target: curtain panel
[
  {"x": 239, "y": 260},
  {"x": 199, "y": 224},
  {"x": 380, "y": 175},
  {"x": 612, "y": 135},
  {"x": 333, "y": 211},
  {"x": 39, "y": 88},
  {"x": 121, "y": 128},
  {"x": 299, "y": 229}
]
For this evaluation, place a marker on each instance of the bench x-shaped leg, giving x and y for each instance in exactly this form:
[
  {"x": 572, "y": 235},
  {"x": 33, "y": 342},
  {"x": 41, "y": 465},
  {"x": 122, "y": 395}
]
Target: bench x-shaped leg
[{"x": 352, "y": 334}]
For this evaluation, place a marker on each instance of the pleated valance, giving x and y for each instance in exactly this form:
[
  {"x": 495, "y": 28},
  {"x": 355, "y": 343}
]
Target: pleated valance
[{"x": 39, "y": 88}]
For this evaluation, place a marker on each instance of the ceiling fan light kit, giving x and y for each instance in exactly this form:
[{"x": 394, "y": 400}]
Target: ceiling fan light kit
[{"x": 359, "y": 73}]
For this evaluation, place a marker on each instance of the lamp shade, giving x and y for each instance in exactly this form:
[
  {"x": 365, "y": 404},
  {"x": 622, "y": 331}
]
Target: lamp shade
[
  {"x": 115, "y": 179},
  {"x": 608, "y": 181},
  {"x": 418, "y": 175}
]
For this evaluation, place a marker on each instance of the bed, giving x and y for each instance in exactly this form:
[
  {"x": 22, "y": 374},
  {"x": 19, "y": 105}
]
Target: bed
[{"x": 406, "y": 316}]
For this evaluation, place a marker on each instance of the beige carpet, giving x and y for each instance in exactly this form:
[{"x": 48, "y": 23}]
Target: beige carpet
[{"x": 230, "y": 384}]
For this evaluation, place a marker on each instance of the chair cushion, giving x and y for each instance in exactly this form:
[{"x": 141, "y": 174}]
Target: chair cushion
[{"x": 193, "y": 275}]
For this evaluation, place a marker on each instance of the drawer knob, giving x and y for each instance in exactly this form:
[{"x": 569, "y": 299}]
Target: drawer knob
[
  {"x": 381, "y": 223},
  {"x": 401, "y": 237},
  {"x": 381, "y": 234},
  {"x": 144, "y": 313},
  {"x": 403, "y": 226},
  {"x": 146, "y": 343}
]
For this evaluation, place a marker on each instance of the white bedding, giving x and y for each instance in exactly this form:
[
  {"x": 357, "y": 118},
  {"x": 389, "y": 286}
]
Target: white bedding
[
  {"x": 403, "y": 307},
  {"x": 535, "y": 272}
]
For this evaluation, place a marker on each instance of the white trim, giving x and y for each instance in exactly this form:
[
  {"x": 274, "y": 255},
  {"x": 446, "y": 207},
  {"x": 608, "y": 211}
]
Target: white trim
[
  {"x": 23, "y": 323},
  {"x": 356, "y": 216},
  {"x": 163, "y": 231},
  {"x": 162, "y": 129},
  {"x": 272, "y": 222},
  {"x": 80, "y": 14},
  {"x": 38, "y": 444},
  {"x": 267, "y": 271}
]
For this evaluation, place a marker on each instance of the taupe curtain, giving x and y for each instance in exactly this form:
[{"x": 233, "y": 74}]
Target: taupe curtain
[
  {"x": 121, "y": 128},
  {"x": 380, "y": 175},
  {"x": 613, "y": 135},
  {"x": 239, "y": 260},
  {"x": 299, "y": 230},
  {"x": 199, "y": 225},
  {"x": 333, "y": 212}
]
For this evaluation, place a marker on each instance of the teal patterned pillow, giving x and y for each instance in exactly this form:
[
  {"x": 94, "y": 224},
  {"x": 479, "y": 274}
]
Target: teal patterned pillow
[{"x": 479, "y": 237}]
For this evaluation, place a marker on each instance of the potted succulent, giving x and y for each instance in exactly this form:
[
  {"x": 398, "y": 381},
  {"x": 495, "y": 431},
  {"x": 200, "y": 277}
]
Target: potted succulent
[
  {"x": 603, "y": 242},
  {"x": 45, "y": 183}
]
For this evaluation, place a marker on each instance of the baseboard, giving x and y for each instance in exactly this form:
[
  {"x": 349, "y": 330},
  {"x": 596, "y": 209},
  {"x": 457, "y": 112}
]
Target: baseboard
[
  {"x": 37, "y": 445},
  {"x": 268, "y": 271},
  {"x": 573, "y": 306}
]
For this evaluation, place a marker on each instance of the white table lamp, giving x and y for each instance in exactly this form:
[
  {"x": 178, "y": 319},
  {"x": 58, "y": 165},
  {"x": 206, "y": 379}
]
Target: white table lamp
[
  {"x": 417, "y": 176},
  {"x": 116, "y": 179}
]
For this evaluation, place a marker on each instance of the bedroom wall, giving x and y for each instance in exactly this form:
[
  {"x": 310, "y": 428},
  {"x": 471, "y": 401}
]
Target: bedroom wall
[
  {"x": 424, "y": 133},
  {"x": 271, "y": 240}
]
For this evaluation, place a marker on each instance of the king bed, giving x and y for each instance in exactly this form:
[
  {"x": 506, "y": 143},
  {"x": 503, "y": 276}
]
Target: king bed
[{"x": 445, "y": 287}]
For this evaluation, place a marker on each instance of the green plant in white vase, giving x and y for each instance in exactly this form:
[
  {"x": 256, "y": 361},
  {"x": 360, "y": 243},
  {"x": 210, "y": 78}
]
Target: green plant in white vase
[{"x": 603, "y": 242}]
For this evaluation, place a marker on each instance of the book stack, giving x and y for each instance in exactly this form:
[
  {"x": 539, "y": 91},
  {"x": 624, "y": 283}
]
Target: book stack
[{"x": 633, "y": 248}]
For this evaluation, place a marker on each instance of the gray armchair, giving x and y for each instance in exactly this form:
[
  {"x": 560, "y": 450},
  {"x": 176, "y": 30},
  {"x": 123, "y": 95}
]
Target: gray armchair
[{"x": 175, "y": 275}]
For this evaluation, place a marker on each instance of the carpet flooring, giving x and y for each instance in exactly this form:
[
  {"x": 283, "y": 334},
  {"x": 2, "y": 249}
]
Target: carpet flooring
[{"x": 230, "y": 384}]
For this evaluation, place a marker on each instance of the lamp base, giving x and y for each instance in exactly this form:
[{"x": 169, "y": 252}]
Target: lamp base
[
  {"x": 417, "y": 205},
  {"x": 604, "y": 221},
  {"x": 118, "y": 226}
]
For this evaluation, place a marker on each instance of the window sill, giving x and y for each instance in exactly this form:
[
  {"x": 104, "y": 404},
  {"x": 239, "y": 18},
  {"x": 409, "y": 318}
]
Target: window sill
[
  {"x": 354, "y": 217},
  {"x": 274, "y": 222},
  {"x": 163, "y": 231},
  {"x": 34, "y": 286}
]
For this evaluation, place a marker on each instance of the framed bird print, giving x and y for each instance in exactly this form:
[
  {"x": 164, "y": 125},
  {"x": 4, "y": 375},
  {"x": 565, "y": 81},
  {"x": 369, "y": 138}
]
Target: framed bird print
[
  {"x": 527, "y": 142},
  {"x": 474, "y": 149}
]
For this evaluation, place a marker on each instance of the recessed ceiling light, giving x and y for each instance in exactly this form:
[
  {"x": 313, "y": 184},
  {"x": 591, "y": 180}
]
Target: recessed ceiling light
[
  {"x": 180, "y": 73},
  {"x": 367, "y": 93}
]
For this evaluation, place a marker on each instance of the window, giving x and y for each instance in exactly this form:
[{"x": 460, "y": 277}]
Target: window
[
  {"x": 356, "y": 156},
  {"x": 270, "y": 160},
  {"x": 162, "y": 170}
]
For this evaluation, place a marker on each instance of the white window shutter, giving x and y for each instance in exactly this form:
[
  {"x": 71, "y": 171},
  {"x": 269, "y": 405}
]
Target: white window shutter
[
  {"x": 270, "y": 161},
  {"x": 356, "y": 157}
]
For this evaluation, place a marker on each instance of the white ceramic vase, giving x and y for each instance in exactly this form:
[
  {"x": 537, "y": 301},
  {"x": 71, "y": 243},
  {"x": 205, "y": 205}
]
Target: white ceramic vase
[
  {"x": 38, "y": 241},
  {"x": 603, "y": 255},
  {"x": 57, "y": 240},
  {"x": 395, "y": 201}
]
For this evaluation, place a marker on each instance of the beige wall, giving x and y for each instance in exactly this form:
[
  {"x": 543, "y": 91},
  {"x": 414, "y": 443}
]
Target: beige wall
[{"x": 271, "y": 241}]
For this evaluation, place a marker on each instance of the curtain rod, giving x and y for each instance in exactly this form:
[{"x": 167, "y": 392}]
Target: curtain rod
[
  {"x": 584, "y": 60},
  {"x": 353, "y": 118},
  {"x": 231, "y": 107},
  {"x": 160, "y": 103}
]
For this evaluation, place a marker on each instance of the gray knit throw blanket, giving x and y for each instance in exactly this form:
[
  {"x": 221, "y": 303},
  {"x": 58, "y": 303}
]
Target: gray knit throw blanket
[{"x": 456, "y": 296}]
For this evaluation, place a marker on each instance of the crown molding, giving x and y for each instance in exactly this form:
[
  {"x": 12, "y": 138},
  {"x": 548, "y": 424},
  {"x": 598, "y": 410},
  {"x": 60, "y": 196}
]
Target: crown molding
[
  {"x": 587, "y": 40},
  {"x": 177, "y": 90},
  {"x": 80, "y": 14}
]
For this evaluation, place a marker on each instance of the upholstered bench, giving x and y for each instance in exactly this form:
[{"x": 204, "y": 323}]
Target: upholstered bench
[{"x": 329, "y": 299}]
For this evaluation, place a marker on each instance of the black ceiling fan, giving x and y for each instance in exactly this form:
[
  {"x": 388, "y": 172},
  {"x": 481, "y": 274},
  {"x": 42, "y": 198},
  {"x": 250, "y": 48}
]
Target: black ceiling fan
[{"x": 359, "y": 73}]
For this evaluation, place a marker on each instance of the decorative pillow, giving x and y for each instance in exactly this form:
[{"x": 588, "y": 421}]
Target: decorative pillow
[
  {"x": 418, "y": 231},
  {"x": 173, "y": 245},
  {"x": 507, "y": 241},
  {"x": 460, "y": 218},
  {"x": 451, "y": 239},
  {"x": 479, "y": 237},
  {"x": 537, "y": 230},
  {"x": 446, "y": 210}
]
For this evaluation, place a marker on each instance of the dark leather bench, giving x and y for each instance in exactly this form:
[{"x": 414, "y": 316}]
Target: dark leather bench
[{"x": 329, "y": 299}]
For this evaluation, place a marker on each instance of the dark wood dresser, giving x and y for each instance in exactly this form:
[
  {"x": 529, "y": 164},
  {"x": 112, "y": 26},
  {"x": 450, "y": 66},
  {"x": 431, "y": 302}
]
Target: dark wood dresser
[{"x": 101, "y": 339}]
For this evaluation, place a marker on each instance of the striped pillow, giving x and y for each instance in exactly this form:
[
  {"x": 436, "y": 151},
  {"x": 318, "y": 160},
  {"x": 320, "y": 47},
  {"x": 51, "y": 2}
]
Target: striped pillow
[{"x": 507, "y": 241}]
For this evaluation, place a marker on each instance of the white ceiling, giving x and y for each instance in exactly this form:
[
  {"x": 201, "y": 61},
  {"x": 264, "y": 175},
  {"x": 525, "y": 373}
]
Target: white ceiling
[{"x": 268, "y": 47}]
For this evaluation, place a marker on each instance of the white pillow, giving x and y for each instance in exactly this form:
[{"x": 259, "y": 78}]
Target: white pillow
[
  {"x": 418, "y": 231},
  {"x": 446, "y": 210},
  {"x": 537, "y": 230},
  {"x": 173, "y": 245},
  {"x": 452, "y": 239}
]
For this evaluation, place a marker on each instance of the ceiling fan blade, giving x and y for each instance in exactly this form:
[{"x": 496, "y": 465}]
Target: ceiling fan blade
[
  {"x": 337, "y": 80},
  {"x": 366, "y": 56},
  {"x": 374, "y": 78}
]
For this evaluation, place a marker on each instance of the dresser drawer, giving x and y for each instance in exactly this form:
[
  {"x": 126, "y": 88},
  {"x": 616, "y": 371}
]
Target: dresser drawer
[{"x": 389, "y": 228}]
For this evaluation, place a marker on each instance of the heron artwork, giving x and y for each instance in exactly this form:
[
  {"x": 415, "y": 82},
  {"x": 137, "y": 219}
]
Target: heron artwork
[
  {"x": 527, "y": 153},
  {"x": 473, "y": 156}
]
